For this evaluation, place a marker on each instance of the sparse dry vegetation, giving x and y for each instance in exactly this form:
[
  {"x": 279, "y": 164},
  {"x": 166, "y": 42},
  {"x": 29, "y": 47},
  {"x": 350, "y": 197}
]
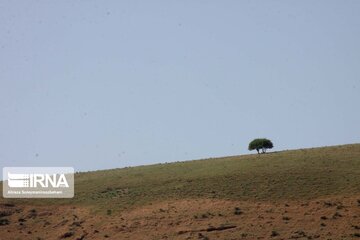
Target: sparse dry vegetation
[{"x": 300, "y": 194}]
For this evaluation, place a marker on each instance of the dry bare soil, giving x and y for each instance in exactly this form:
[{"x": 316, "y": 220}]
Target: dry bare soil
[{"x": 299, "y": 194}]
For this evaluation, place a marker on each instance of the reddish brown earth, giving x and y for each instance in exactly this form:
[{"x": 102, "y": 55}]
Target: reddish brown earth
[{"x": 327, "y": 218}]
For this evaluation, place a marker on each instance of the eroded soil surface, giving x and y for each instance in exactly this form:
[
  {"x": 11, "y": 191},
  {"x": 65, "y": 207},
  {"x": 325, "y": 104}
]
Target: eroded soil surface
[{"x": 326, "y": 218}]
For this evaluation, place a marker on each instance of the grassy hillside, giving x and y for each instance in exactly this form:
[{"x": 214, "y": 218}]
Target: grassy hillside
[{"x": 296, "y": 174}]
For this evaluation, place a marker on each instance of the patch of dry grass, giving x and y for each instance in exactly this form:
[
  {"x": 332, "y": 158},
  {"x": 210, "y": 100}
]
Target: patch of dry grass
[{"x": 296, "y": 174}]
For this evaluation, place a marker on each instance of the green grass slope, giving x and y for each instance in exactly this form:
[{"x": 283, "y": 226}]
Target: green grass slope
[{"x": 295, "y": 174}]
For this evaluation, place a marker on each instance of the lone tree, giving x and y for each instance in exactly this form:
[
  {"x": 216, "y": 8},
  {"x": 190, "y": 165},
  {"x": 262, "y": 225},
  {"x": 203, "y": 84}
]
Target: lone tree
[{"x": 260, "y": 143}]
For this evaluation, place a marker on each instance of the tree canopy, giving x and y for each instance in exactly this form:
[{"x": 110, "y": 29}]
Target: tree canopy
[{"x": 260, "y": 143}]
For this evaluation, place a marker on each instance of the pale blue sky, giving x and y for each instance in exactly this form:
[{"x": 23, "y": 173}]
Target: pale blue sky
[{"x": 105, "y": 84}]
